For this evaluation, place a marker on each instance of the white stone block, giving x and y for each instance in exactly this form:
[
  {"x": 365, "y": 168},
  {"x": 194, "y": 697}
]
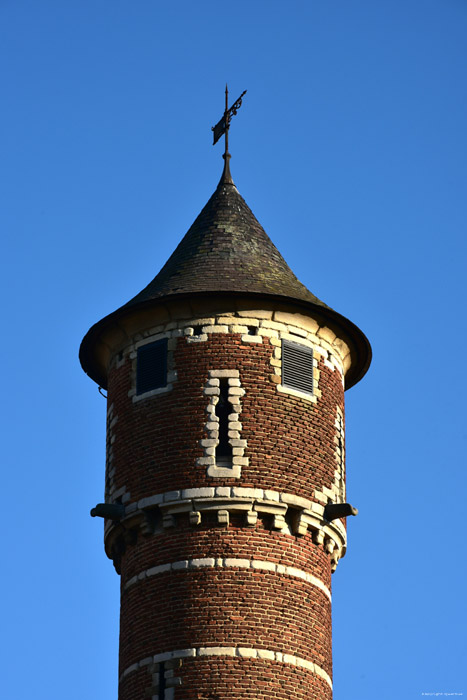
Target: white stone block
[
  {"x": 289, "y": 659},
  {"x": 294, "y": 330},
  {"x": 298, "y": 573},
  {"x": 203, "y": 492},
  {"x": 171, "y": 496},
  {"x": 327, "y": 334},
  {"x": 224, "y": 373},
  {"x": 160, "y": 569},
  {"x": 254, "y": 315},
  {"x": 223, "y": 491},
  {"x": 252, "y": 339},
  {"x": 274, "y": 325},
  {"x": 263, "y": 565},
  {"x": 208, "y": 442},
  {"x": 236, "y": 391},
  {"x": 184, "y": 653},
  {"x": 293, "y": 500},
  {"x": 223, "y": 517},
  {"x": 268, "y": 333},
  {"x": 216, "y": 651},
  {"x": 242, "y": 461},
  {"x": 241, "y": 492},
  {"x": 211, "y": 391},
  {"x": 266, "y": 654},
  {"x": 215, "y": 329},
  {"x": 238, "y": 443},
  {"x": 239, "y": 563},
  {"x": 199, "y": 563},
  {"x": 180, "y": 565},
  {"x": 304, "y": 663},
  {"x": 247, "y": 653},
  {"x": 251, "y": 518}
]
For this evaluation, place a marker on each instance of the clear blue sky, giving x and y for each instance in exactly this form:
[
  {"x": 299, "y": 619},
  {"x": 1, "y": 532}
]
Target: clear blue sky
[{"x": 351, "y": 149}]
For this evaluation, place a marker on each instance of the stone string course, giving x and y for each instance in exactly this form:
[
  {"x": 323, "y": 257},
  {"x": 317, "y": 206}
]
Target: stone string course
[
  {"x": 307, "y": 515},
  {"x": 210, "y": 562},
  {"x": 240, "y": 652}
]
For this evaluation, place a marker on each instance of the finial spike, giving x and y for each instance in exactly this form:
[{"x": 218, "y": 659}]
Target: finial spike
[{"x": 226, "y": 177}]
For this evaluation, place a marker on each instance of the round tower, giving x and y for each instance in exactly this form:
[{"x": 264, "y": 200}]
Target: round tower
[{"x": 225, "y": 496}]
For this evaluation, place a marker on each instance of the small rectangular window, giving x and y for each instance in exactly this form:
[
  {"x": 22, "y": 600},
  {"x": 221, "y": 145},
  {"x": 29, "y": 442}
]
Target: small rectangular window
[
  {"x": 151, "y": 366},
  {"x": 297, "y": 366}
]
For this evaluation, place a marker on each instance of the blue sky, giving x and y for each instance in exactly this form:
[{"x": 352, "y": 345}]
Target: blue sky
[{"x": 351, "y": 150}]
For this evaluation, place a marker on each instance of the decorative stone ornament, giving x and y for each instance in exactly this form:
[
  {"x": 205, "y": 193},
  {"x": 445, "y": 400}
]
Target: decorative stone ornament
[{"x": 225, "y": 499}]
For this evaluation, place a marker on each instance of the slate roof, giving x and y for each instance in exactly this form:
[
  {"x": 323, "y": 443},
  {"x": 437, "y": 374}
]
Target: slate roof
[{"x": 226, "y": 250}]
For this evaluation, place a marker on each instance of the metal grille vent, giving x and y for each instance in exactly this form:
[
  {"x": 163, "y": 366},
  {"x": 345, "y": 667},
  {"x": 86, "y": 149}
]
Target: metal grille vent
[
  {"x": 151, "y": 366},
  {"x": 297, "y": 366}
]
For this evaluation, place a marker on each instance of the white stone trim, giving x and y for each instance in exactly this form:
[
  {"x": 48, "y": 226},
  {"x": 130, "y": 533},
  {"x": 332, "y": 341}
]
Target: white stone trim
[
  {"x": 224, "y": 500},
  {"x": 212, "y": 390},
  {"x": 336, "y": 493},
  {"x": 238, "y": 652},
  {"x": 269, "y": 325},
  {"x": 230, "y": 563},
  {"x": 152, "y": 336}
]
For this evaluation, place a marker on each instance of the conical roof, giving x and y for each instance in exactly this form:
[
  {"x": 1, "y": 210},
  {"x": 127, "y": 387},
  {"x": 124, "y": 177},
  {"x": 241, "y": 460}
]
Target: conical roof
[{"x": 226, "y": 250}]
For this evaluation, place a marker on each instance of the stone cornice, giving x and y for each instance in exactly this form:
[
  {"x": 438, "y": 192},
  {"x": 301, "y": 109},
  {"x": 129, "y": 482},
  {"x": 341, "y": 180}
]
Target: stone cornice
[{"x": 290, "y": 514}]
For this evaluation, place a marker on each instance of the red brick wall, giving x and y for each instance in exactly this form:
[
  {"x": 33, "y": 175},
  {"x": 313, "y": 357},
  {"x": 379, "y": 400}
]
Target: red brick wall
[
  {"x": 290, "y": 441},
  {"x": 290, "y": 447}
]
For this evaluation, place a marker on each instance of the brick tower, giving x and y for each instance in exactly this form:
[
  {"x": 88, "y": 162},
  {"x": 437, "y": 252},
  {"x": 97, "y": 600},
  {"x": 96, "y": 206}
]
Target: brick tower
[{"x": 225, "y": 476}]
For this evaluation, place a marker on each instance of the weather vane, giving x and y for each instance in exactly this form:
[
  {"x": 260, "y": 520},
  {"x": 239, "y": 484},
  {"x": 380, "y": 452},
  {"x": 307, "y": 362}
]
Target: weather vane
[{"x": 222, "y": 126}]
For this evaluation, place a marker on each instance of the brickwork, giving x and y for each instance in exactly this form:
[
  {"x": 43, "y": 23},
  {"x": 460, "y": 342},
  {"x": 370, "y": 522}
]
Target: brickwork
[
  {"x": 268, "y": 417},
  {"x": 227, "y": 560}
]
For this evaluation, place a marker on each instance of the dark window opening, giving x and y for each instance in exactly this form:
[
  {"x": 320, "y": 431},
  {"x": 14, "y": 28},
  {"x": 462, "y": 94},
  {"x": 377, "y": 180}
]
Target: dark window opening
[
  {"x": 151, "y": 366},
  {"x": 197, "y": 330},
  {"x": 252, "y": 330},
  {"x": 223, "y": 410},
  {"x": 297, "y": 366}
]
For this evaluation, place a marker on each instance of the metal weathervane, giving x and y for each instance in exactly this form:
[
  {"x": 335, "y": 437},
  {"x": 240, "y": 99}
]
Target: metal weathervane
[{"x": 222, "y": 126}]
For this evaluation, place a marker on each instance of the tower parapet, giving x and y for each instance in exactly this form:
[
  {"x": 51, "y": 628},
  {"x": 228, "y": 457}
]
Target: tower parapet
[{"x": 225, "y": 495}]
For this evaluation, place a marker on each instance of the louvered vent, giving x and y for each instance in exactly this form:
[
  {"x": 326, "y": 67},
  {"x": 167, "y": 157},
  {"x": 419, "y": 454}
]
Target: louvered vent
[
  {"x": 151, "y": 366},
  {"x": 297, "y": 366}
]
